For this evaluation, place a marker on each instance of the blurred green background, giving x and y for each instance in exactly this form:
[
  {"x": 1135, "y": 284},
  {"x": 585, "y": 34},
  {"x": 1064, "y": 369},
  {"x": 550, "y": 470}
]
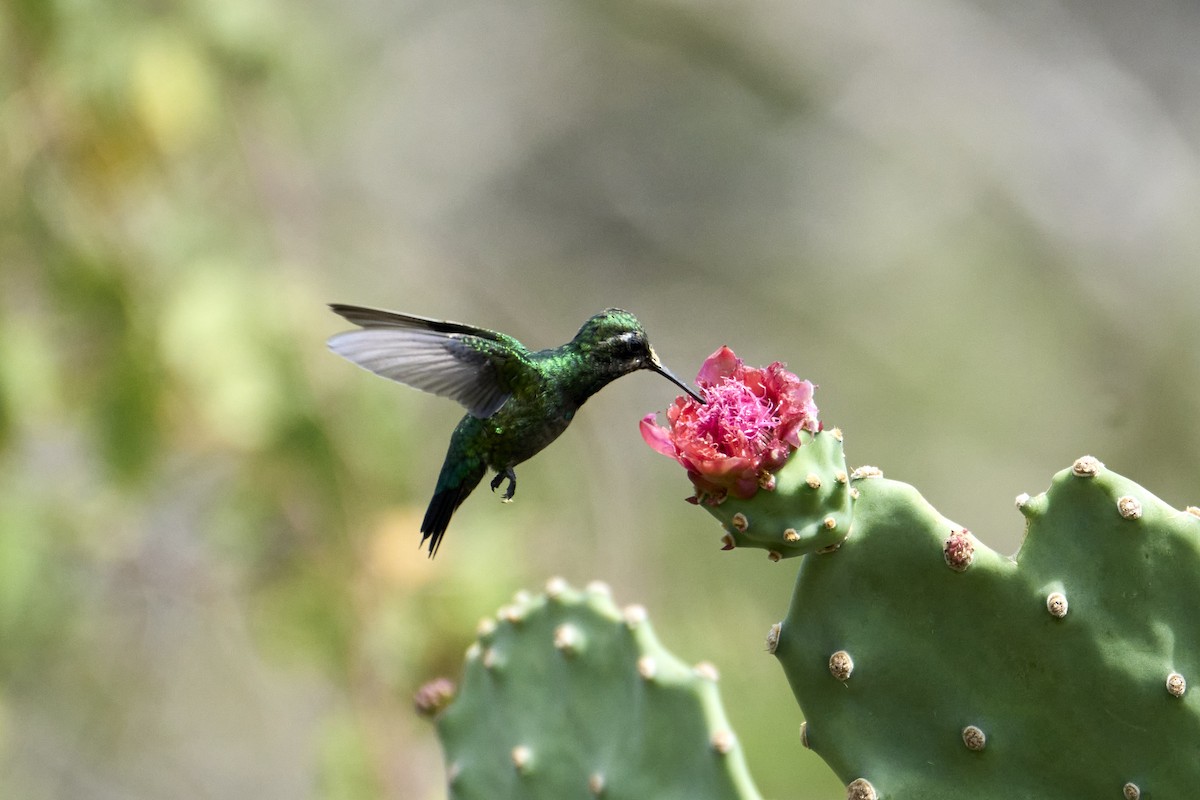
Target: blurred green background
[{"x": 975, "y": 225}]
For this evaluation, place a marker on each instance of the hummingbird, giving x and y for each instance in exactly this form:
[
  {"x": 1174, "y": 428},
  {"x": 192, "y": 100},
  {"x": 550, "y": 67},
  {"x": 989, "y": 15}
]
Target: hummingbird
[{"x": 517, "y": 400}]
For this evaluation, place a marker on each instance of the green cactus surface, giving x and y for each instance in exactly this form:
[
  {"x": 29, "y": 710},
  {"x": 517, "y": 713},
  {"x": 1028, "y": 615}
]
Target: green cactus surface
[
  {"x": 929, "y": 666},
  {"x": 566, "y": 696}
]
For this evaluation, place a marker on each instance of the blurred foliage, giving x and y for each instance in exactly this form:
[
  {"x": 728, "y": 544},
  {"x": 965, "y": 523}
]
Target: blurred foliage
[
  {"x": 972, "y": 226},
  {"x": 167, "y": 440}
]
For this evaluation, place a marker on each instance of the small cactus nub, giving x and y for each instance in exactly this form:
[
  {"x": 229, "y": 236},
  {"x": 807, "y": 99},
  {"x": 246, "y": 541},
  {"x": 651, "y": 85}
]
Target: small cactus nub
[
  {"x": 706, "y": 670},
  {"x": 1129, "y": 507},
  {"x": 740, "y": 522},
  {"x": 431, "y": 698},
  {"x": 841, "y": 665},
  {"x": 596, "y": 784},
  {"x": 599, "y": 588},
  {"x": 813, "y": 480},
  {"x": 634, "y": 615},
  {"x": 722, "y": 742},
  {"x": 773, "y": 637},
  {"x": 1131, "y": 791},
  {"x": 958, "y": 550},
  {"x": 1086, "y": 467},
  {"x": 1176, "y": 684},
  {"x": 512, "y": 613},
  {"x": 556, "y": 587},
  {"x": 866, "y": 471},
  {"x": 1056, "y": 604},
  {"x": 804, "y": 735},
  {"x": 974, "y": 738},
  {"x": 647, "y": 667},
  {"x": 774, "y": 555},
  {"x": 790, "y": 535},
  {"x": 861, "y": 789},
  {"x": 491, "y": 659},
  {"x": 522, "y": 758},
  {"x": 568, "y": 639}
]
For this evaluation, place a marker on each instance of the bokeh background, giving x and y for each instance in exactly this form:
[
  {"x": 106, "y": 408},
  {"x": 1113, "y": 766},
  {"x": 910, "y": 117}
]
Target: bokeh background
[{"x": 975, "y": 225}]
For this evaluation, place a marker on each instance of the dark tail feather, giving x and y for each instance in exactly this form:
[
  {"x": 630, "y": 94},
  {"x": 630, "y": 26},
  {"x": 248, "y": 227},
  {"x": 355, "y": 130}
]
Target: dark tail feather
[{"x": 445, "y": 502}]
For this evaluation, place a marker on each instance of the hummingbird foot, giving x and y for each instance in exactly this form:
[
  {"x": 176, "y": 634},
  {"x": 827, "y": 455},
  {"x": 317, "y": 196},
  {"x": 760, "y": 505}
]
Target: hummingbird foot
[{"x": 512, "y": 484}]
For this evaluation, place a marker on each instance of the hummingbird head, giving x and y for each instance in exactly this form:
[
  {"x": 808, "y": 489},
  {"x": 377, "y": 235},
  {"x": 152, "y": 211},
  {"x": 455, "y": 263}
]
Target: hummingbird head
[{"x": 614, "y": 338}]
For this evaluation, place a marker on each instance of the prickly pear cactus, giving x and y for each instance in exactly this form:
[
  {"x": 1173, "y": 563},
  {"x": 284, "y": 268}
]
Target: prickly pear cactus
[
  {"x": 566, "y": 696},
  {"x": 929, "y": 666},
  {"x": 926, "y": 664}
]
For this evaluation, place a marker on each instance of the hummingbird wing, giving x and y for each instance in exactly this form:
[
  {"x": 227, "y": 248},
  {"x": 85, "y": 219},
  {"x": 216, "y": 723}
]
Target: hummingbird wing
[{"x": 473, "y": 366}]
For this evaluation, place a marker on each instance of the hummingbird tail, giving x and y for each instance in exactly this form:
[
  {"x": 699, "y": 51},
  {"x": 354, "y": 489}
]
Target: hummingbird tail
[{"x": 446, "y": 500}]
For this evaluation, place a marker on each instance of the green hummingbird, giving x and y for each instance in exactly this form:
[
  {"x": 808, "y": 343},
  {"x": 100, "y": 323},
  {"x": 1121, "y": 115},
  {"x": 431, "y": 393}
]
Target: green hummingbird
[{"x": 517, "y": 400}]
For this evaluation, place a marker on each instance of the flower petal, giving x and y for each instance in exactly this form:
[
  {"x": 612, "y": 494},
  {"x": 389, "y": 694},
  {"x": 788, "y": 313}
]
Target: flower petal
[
  {"x": 721, "y": 364},
  {"x": 657, "y": 437}
]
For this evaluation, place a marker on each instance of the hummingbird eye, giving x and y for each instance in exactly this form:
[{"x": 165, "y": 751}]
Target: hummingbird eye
[{"x": 629, "y": 345}]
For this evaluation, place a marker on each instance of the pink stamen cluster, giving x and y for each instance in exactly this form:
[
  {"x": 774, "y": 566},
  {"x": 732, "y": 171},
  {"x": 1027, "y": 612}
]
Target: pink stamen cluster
[{"x": 745, "y": 430}]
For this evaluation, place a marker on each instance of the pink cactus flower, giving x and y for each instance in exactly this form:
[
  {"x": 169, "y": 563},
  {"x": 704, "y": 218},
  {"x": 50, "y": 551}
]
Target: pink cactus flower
[{"x": 749, "y": 424}]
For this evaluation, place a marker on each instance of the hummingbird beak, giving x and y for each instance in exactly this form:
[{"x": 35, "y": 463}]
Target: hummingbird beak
[{"x": 657, "y": 366}]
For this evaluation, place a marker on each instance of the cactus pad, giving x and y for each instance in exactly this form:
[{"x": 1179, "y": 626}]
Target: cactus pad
[
  {"x": 929, "y": 666},
  {"x": 566, "y": 696}
]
